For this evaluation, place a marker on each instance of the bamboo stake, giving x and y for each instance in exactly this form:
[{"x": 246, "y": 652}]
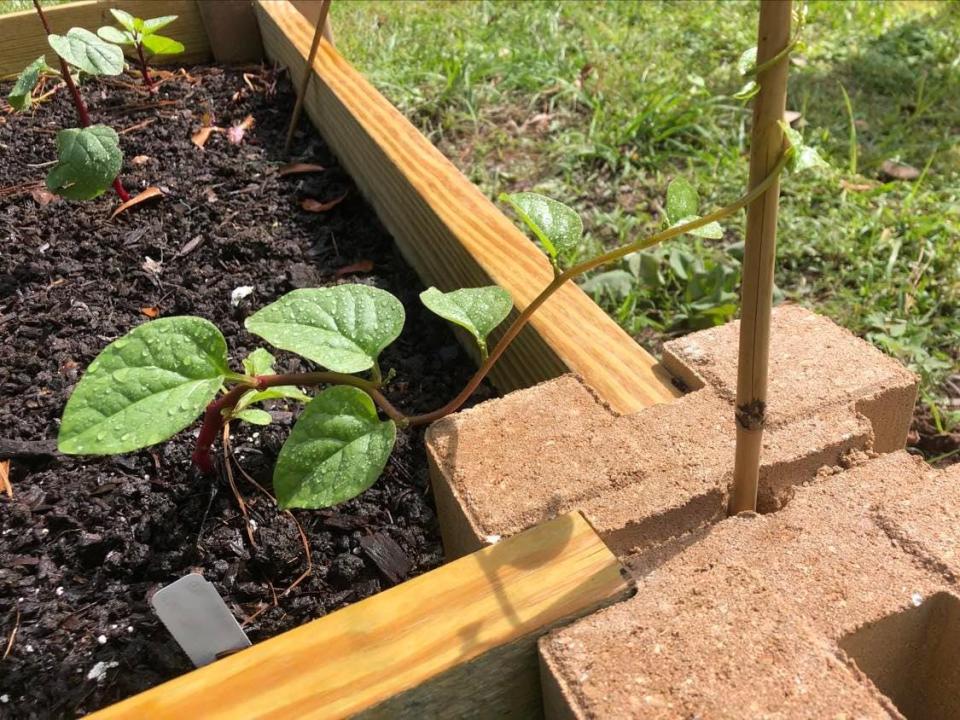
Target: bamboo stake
[
  {"x": 766, "y": 146},
  {"x": 307, "y": 73}
]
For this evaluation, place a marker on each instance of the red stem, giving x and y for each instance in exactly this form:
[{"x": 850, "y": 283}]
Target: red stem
[
  {"x": 143, "y": 69},
  {"x": 77, "y": 99},
  {"x": 213, "y": 416}
]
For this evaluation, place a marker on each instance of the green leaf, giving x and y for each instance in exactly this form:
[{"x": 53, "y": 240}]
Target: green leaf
[
  {"x": 343, "y": 328},
  {"x": 259, "y": 362},
  {"x": 144, "y": 387},
  {"x": 682, "y": 205},
  {"x": 749, "y": 89},
  {"x": 711, "y": 230},
  {"x": 113, "y": 35},
  {"x": 82, "y": 49},
  {"x": 682, "y": 200},
  {"x": 126, "y": 19},
  {"x": 477, "y": 310},
  {"x": 253, "y": 416},
  {"x": 615, "y": 283},
  {"x": 88, "y": 160},
  {"x": 153, "y": 24},
  {"x": 160, "y": 45},
  {"x": 557, "y": 226},
  {"x": 747, "y": 61},
  {"x": 802, "y": 156},
  {"x": 19, "y": 97},
  {"x": 337, "y": 449}
]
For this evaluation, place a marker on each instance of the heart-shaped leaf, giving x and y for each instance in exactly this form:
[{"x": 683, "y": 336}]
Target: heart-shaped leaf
[
  {"x": 153, "y": 24},
  {"x": 19, "y": 97},
  {"x": 82, "y": 49},
  {"x": 88, "y": 160},
  {"x": 477, "y": 310},
  {"x": 144, "y": 387},
  {"x": 342, "y": 328},
  {"x": 128, "y": 21},
  {"x": 556, "y": 226},
  {"x": 160, "y": 45},
  {"x": 337, "y": 449},
  {"x": 683, "y": 202},
  {"x": 254, "y": 416},
  {"x": 747, "y": 61},
  {"x": 802, "y": 156},
  {"x": 259, "y": 362},
  {"x": 115, "y": 35}
]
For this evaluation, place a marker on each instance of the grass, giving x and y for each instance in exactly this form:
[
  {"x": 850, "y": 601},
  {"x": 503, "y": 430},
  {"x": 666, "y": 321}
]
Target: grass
[{"x": 600, "y": 104}]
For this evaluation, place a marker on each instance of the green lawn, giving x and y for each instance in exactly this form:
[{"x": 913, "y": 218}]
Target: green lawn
[{"x": 601, "y": 104}]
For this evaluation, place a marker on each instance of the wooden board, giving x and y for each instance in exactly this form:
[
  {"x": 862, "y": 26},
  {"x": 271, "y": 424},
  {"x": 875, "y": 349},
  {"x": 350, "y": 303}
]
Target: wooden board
[
  {"x": 458, "y": 642},
  {"x": 451, "y": 234},
  {"x": 22, "y": 39}
]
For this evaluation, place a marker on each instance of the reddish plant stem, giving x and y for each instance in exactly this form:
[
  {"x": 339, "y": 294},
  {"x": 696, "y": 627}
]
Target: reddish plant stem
[
  {"x": 144, "y": 71},
  {"x": 78, "y": 103},
  {"x": 213, "y": 416}
]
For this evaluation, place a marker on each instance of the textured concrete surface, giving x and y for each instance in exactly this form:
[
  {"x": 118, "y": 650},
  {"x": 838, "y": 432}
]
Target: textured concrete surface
[
  {"x": 844, "y": 604},
  {"x": 646, "y": 479}
]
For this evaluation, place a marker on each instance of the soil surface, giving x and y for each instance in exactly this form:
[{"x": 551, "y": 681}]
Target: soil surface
[{"x": 85, "y": 542}]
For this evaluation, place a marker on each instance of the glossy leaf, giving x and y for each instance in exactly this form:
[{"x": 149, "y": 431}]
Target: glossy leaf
[
  {"x": 144, "y": 387},
  {"x": 160, "y": 45},
  {"x": 82, "y": 49},
  {"x": 557, "y": 226},
  {"x": 20, "y": 96},
  {"x": 259, "y": 362},
  {"x": 477, "y": 310},
  {"x": 747, "y": 61},
  {"x": 127, "y": 20},
  {"x": 254, "y": 416},
  {"x": 683, "y": 202},
  {"x": 115, "y": 35},
  {"x": 153, "y": 24},
  {"x": 343, "y": 328},
  {"x": 88, "y": 160},
  {"x": 802, "y": 156},
  {"x": 337, "y": 449}
]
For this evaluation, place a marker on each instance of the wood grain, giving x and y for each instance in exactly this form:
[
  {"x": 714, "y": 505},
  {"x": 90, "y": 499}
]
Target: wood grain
[
  {"x": 23, "y": 40},
  {"x": 451, "y": 234},
  {"x": 458, "y": 642}
]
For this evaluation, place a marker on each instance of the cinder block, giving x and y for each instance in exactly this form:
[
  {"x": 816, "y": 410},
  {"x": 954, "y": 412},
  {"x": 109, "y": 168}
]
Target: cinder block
[
  {"x": 648, "y": 478},
  {"x": 842, "y": 604}
]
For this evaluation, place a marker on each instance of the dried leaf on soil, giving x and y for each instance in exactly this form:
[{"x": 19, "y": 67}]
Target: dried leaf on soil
[
  {"x": 363, "y": 266},
  {"x": 42, "y": 197},
  {"x": 201, "y": 136},
  {"x": 150, "y": 312},
  {"x": 150, "y": 192},
  {"x": 5, "y": 478},
  {"x": 299, "y": 168},
  {"x": 140, "y": 160},
  {"x": 315, "y": 206}
]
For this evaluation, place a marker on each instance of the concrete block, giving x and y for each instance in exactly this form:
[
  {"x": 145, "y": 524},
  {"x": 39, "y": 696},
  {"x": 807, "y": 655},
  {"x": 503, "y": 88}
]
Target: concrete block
[
  {"x": 648, "y": 478},
  {"x": 843, "y": 604}
]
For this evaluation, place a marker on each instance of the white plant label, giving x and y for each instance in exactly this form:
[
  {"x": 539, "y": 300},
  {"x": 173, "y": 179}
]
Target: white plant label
[{"x": 198, "y": 618}]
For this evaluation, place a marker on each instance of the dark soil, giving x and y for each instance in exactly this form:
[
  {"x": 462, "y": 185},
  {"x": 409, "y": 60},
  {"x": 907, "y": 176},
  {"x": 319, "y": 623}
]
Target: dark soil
[{"x": 85, "y": 542}]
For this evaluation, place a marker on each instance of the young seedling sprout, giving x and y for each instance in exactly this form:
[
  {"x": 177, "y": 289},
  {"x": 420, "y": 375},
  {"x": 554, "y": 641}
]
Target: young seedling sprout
[
  {"x": 142, "y": 36},
  {"x": 89, "y": 157}
]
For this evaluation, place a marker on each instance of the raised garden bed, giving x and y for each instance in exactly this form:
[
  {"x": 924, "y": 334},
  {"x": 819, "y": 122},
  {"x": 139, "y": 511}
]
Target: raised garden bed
[{"x": 86, "y": 542}]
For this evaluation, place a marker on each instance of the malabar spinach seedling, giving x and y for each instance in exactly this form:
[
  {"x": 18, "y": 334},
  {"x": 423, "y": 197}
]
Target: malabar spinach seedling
[
  {"x": 155, "y": 381},
  {"x": 89, "y": 157},
  {"x": 142, "y": 36}
]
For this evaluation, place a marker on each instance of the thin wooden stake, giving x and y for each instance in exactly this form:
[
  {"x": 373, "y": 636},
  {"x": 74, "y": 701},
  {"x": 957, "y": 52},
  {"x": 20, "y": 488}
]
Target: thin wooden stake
[
  {"x": 766, "y": 146},
  {"x": 307, "y": 73}
]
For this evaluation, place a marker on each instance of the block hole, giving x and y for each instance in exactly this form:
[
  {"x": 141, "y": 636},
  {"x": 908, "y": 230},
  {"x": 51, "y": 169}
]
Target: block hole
[{"x": 913, "y": 657}]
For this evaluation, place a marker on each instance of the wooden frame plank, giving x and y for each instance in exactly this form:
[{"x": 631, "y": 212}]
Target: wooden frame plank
[
  {"x": 24, "y": 40},
  {"x": 451, "y": 234},
  {"x": 457, "y": 642}
]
